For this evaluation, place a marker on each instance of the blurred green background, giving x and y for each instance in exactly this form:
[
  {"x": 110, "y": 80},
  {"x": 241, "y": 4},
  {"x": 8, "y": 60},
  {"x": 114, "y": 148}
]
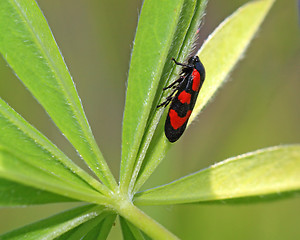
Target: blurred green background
[{"x": 258, "y": 107}]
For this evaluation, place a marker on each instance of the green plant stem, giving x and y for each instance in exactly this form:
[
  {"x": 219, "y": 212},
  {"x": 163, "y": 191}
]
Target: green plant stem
[{"x": 148, "y": 225}]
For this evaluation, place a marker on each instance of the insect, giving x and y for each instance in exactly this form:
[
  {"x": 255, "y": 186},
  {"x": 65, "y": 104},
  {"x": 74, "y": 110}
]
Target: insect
[{"x": 186, "y": 87}]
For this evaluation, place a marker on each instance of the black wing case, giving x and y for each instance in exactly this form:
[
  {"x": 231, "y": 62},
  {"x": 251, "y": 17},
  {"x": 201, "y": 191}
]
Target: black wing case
[
  {"x": 183, "y": 103},
  {"x": 179, "y": 111}
]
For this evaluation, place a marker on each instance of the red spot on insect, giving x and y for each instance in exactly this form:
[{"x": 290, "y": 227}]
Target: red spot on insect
[
  {"x": 176, "y": 121},
  {"x": 196, "y": 80},
  {"x": 184, "y": 97}
]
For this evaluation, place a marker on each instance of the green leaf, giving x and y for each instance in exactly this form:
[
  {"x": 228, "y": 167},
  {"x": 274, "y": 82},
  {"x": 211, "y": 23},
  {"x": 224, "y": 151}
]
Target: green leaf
[
  {"x": 166, "y": 29},
  {"x": 27, "y": 44},
  {"x": 129, "y": 231},
  {"x": 18, "y": 169},
  {"x": 272, "y": 171},
  {"x": 59, "y": 224},
  {"x": 29, "y": 158},
  {"x": 16, "y": 194},
  {"x": 104, "y": 227},
  {"x": 219, "y": 54},
  {"x": 156, "y": 29},
  {"x": 227, "y": 45},
  {"x": 83, "y": 230},
  {"x": 96, "y": 228}
]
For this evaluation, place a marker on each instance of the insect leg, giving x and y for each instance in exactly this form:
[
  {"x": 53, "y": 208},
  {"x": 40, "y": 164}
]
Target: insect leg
[
  {"x": 181, "y": 64},
  {"x": 179, "y": 80},
  {"x": 168, "y": 100}
]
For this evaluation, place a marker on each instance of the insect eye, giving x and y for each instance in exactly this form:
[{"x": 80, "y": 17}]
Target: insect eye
[{"x": 191, "y": 60}]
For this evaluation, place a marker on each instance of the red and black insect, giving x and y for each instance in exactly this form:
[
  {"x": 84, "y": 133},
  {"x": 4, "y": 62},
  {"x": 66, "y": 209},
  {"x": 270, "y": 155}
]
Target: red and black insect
[{"x": 186, "y": 87}]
